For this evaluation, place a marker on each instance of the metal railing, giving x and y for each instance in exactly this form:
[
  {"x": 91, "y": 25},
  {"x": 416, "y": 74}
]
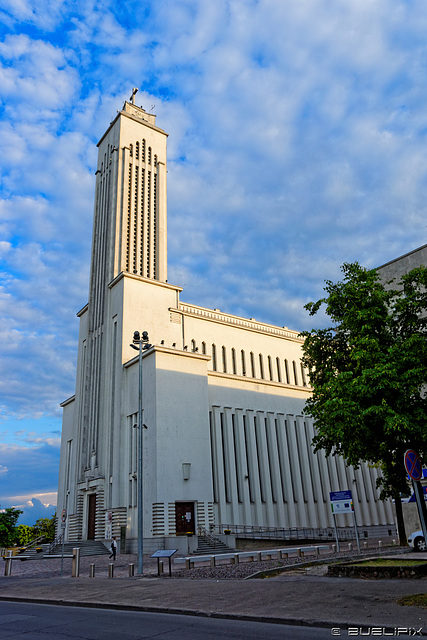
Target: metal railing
[
  {"x": 33, "y": 543},
  {"x": 302, "y": 533},
  {"x": 207, "y": 536},
  {"x": 55, "y": 543}
]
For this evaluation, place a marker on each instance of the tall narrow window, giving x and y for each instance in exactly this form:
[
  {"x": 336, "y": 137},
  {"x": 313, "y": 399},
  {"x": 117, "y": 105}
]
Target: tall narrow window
[
  {"x": 242, "y": 353},
  {"x": 143, "y": 151},
  {"x": 279, "y": 373},
  {"x": 287, "y": 372},
  {"x": 261, "y": 366},
  {"x": 233, "y": 361},
  {"x": 203, "y": 347},
  {"x": 131, "y": 150},
  {"x": 270, "y": 367},
  {"x": 224, "y": 360},
  {"x": 193, "y": 345},
  {"x": 149, "y": 155},
  {"x": 214, "y": 357},
  {"x": 137, "y": 150},
  {"x": 304, "y": 379},
  {"x": 252, "y": 365},
  {"x": 294, "y": 367}
]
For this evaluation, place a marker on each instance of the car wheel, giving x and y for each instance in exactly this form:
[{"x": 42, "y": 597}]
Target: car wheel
[{"x": 420, "y": 544}]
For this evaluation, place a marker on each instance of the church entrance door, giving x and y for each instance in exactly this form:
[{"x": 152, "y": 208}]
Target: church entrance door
[
  {"x": 184, "y": 517},
  {"x": 91, "y": 516}
]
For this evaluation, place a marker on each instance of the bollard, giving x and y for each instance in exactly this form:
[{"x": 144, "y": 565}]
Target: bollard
[
  {"x": 91, "y": 570},
  {"x": 131, "y": 570},
  {"x": 394, "y": 540},
  {"x": 161, "y": 567},
  {"x": 365, "y": 545},
  {"x": 350, "y": 546},
  {"x": 334, "y": 548},
  {"x": 8, "y": 564},
  {"x": 111, "y": 570},
  {"x": 75, "y": 568},
  {"x": 380, "y": 544}
]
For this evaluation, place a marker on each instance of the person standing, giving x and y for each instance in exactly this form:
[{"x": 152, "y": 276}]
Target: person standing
[{"x": 113, "y": 548}]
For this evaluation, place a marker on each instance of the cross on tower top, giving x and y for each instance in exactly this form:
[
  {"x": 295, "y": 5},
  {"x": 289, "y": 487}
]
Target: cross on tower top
[{"x": 134, "y": 92}]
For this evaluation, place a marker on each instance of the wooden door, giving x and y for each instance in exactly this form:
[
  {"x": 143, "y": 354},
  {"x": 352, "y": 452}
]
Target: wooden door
[
  {"x": 91, "y": 516},
  {"x": 184, "y": 517}
]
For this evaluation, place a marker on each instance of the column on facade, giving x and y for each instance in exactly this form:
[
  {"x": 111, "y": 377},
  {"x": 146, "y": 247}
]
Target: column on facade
[
  {"x": 289, "y": 496},
  {"x": 242, "y": 469},
  {"x": 275, "y": 471},
  {"x": 306, "y": 463},
  {"x": 230, "y": 460},
  {"x": 318, "y": 485},
  {"x": 264, "y": 468},
  {"x": 296, "y": 470},
  {"x": 324, "y": 474},
  {"x": 218, "y": 463},
  {"x": 370, "y": 496},
  {"x": 257, "y": 510}
]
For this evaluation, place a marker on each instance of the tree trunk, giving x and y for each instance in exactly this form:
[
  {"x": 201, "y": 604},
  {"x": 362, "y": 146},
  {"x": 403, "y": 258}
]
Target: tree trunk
[{"x": 400, "y": 523}]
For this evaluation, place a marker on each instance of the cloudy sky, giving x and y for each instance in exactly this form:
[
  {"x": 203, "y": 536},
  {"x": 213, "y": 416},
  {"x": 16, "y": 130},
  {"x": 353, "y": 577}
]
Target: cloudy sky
[{"x": 297, "y": 142}]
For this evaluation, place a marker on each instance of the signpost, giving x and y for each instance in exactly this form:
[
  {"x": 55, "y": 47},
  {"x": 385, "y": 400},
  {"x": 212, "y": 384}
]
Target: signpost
[
  {"x": 341, "y": 503},
  {"x": 414, "y": 469},
  {"x": 63, "y": 525}
]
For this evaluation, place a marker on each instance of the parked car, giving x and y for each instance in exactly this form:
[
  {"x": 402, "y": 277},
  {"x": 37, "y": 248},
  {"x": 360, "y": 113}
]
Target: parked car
[{"x": 417, "y": 541}]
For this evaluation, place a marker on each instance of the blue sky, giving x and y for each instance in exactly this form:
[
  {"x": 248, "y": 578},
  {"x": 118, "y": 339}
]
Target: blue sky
[{"x": 297, "y": 142}]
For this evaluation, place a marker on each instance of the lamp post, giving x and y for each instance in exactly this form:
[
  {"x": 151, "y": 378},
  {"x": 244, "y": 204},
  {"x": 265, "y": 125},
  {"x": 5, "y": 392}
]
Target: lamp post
[{"x": 142, "y": 342}]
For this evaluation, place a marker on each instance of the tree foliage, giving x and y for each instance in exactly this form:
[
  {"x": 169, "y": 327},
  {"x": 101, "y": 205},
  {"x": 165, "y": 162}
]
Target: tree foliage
[
  {"x": 8, "y": 529},
  {"x": 368, "y": 371}
]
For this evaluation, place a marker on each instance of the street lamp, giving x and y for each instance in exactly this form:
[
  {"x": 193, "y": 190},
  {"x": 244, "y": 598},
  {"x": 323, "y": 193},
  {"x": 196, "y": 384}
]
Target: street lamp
[{"x": 140, "y": 343}]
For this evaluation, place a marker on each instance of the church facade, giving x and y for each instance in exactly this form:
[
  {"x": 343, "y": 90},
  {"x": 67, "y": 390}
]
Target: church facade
[{"x": 225, "y": 442}]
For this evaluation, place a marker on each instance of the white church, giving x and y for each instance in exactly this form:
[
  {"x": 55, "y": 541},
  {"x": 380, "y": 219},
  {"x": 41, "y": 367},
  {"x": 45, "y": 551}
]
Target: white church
[{"x": 225, "y": 442}]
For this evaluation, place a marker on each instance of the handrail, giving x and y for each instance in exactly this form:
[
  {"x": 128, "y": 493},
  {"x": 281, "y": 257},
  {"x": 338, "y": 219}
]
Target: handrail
[
  {"x": 294, "y": 533},
  {"x": 203, "y": 533},
  {"x": 33, "y": 543},
  {"x": 55, "y": 543}
]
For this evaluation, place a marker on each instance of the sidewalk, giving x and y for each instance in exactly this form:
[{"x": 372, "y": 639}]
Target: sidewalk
[{"x": 298, "y": 596}]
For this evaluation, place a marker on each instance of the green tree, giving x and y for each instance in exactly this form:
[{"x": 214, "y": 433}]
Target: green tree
[
  {"x": 45, "y": 527},
  {"x": 368, "y": 372},
  {"x": 25, "y": 534},
  {"x": 8, "y": 530}
]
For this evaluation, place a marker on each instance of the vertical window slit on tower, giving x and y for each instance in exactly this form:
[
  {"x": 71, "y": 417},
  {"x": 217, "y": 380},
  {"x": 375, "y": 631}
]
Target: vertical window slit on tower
[
  {"x": 129, "y": 203},
  {"x": 135, "y": 224},
  {"x": 148, "y": 223},
  {"x": 155, "y": 227},
  {"x": 142, "y": 204}
]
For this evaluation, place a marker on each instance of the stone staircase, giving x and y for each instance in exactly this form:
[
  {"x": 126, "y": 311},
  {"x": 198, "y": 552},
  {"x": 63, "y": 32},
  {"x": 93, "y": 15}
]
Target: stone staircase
[
  {"x": 210, "y": 545},
  {"x": 87, "y": 548}
]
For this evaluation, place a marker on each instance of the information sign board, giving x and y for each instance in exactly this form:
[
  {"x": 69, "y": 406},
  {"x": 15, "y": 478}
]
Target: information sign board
[{"x": 341, "y": 502}]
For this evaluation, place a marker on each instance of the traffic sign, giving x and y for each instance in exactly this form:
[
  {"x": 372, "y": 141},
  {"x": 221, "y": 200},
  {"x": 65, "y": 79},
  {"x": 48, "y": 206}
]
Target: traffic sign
[{"x": 413, "y": 465}]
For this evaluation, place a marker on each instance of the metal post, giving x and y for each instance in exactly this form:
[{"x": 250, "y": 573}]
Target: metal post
[
  {"x": 92, "y": 570},
  {"x": 75, "y": 569},
  {"x": 140, "y": 471},
  {"x": 8, "y": 564}
]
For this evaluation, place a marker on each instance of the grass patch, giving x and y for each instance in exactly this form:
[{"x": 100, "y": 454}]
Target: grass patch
[
  {"x": 389, "y": 562},
  {"x": 416, "y": 600}
]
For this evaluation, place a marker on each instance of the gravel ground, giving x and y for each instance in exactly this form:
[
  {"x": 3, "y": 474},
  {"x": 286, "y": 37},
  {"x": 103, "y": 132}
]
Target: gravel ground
[{"x": 49, "y": 568}]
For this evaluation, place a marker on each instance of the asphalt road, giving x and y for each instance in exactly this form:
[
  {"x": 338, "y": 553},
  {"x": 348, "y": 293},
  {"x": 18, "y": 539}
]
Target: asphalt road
[{"x": 22, "y": 621}]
